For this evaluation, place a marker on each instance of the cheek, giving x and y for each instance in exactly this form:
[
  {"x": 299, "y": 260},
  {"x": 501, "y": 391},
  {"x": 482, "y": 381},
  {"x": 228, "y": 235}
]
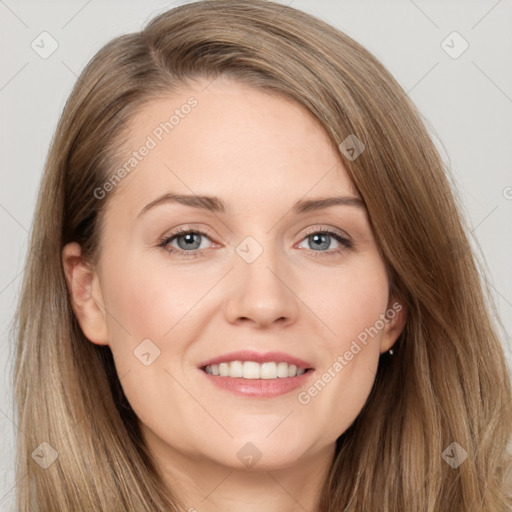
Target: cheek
[
  {"x": 148, "y": 300},
  {"x": 352, "y": 301},
  {"x": 352, "y": 306},
  {"x": 143, "y": 306}
]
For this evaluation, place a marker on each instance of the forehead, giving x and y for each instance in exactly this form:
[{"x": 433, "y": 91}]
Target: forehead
[{"x": 232, "y": 141}]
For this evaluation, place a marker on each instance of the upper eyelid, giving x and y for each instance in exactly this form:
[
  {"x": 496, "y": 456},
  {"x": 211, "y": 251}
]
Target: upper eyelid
[
  {"x": 204, "y": 230},
  {"x": 316, "y": 228}
]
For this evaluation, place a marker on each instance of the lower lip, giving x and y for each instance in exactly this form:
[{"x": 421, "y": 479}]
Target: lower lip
[{"x": 259, "y": 388}]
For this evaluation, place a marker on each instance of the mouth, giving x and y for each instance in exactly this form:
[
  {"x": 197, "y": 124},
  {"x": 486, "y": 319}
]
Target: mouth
[{"x": 252, "y": 374}]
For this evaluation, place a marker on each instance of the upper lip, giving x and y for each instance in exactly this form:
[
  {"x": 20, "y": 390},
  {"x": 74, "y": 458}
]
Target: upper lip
[{"x": 257, "y": 357}]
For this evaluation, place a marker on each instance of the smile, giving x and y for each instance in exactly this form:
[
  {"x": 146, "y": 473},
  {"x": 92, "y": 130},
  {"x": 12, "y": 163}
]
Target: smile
[
  {"x": 251, "y": 373},
  {"x": 252, "y": 370}
]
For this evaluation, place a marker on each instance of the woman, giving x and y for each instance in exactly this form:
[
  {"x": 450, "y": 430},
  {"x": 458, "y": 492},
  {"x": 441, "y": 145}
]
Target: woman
[{"x": 259, "y": 371}]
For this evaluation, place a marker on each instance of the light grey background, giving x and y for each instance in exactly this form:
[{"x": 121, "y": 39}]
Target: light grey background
[{"x": 467, "y": 102}]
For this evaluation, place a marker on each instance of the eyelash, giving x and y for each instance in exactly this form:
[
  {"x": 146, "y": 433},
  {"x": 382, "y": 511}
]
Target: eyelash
[{"x": 196, "y": 253}]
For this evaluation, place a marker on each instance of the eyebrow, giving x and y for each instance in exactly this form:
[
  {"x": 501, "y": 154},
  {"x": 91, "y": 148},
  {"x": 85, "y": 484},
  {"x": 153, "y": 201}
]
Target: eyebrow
[{"x": 216, "y": 205}]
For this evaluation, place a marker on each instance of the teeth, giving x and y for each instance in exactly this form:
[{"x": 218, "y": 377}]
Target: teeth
[
  {"x": 253, "y": 370},
  {"x": 282, "y": 370},
  {"x": 223, "y": 369},
  {"x": 235, "y": 369},
  {"x": 269, "y": 371}
]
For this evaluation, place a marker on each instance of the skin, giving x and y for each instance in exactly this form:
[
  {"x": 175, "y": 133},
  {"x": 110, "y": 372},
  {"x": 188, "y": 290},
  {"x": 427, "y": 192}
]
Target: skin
[{"x": 260, "y": 154}]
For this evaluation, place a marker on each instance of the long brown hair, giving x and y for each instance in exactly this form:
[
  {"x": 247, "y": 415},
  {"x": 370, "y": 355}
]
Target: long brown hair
[{"x": 447, "y": 381}]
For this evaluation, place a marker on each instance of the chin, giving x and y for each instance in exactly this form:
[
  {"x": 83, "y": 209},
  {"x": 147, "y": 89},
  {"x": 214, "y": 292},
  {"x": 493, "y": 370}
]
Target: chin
[{"x": 262, "y": 454}]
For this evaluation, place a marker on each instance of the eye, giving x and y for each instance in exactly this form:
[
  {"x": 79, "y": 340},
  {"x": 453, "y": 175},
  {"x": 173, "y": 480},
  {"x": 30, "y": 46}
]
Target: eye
[
  {"x": 188, "y": 241},
  {"x": 322, "y": 239}
]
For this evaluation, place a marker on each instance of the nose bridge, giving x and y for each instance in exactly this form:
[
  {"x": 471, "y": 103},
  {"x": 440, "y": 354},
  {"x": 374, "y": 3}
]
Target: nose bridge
[{"x": 261, "y": 291}]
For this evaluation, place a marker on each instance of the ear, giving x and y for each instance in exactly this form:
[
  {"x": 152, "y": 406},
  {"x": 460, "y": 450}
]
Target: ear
[
  {"x": 85, "y": 292},
  {"x": 396, "y": 315}
]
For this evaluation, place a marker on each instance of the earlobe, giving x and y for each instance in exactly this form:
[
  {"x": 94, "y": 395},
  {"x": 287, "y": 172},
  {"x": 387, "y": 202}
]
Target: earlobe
[
  {"x": 396, "y": 316},
  {"x": 85, "y": 293}
]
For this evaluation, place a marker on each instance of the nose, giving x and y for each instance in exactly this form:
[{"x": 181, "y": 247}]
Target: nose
[{"x": 263, "y": 292}]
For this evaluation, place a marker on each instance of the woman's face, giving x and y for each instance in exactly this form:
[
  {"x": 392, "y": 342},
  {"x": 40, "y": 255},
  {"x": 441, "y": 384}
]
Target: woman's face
[{"x": 258, "y": 283}]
